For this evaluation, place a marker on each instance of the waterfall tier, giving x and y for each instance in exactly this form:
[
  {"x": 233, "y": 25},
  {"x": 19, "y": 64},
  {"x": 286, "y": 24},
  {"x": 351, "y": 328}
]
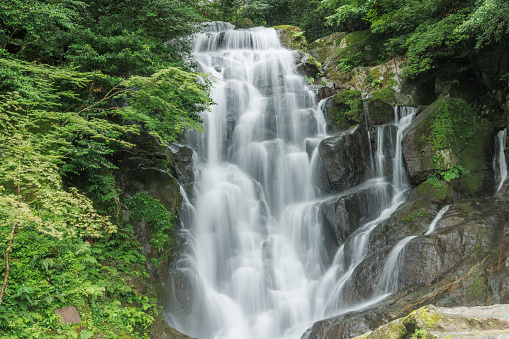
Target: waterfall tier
[{"x": 255, "y": 264}]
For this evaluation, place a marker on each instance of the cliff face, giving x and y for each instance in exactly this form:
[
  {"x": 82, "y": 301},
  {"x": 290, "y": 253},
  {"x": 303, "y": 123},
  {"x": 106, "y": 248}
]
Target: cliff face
[
  {"x": 451, "y": 159},
  {"x": 152, "y": 169}
]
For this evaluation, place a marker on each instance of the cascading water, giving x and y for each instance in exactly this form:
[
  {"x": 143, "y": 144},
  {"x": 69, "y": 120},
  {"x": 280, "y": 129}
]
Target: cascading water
[
  {"x": 388, "y": 142},
  {"x": 389, "y": 277},
  {"x": 439, "y": 216},
  {"x": 254, "y": 266},
  {"x": 499, "y": 162}
]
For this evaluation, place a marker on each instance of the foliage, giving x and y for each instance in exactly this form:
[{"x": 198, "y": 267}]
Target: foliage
[
  {"x": 426, "y": 31},
  {"x": 450, "y": 125},
  {"x": 48, "y": 273},
  {"x": 488, "y": 22},
  {"x": 167, "y": 102},
  {"x": 150, "y": 210},
  {"x": 308, "y": 15},
  {"x": 83, "y": 33},
  {"x": 67, "y": 71}
]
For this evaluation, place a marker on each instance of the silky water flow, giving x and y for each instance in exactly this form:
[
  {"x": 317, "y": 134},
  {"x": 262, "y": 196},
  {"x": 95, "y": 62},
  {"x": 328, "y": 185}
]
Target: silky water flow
[{"x": 251, "y": 266}]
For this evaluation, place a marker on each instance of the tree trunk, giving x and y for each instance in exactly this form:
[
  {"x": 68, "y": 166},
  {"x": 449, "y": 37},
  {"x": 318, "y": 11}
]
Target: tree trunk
[{"x": 7, "y": 267}]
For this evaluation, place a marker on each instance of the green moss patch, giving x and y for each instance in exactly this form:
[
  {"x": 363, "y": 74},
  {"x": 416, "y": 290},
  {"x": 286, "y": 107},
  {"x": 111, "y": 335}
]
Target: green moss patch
[
  {"x": 347, "y": 109},
  {"x": 292, "y": 37},
  {"x": 454, "y": 142}
]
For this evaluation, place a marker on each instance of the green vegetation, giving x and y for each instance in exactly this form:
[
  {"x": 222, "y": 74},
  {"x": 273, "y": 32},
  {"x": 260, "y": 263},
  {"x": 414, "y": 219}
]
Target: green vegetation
[
  {"x": 77, "y": 80},
  {"x": 347, "y": 109},
  {"x": 150, "y": 210}
]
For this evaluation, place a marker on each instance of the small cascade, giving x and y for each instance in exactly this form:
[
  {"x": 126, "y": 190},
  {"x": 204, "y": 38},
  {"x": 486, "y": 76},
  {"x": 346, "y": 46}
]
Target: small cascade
[
  {"x": 389, "y": 278},
  {"x": 439, "y": 216},
  {"x": 499, "y": 161},
  {"x": 346, "y": 261}
]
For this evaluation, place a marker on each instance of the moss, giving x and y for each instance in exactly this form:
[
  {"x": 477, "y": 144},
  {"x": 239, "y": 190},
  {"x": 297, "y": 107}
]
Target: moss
[
  {"x": 386, "y": 95},
  {"x": 432, "y": 193},
  {"x": 292, "y": 37},
  {"x": 244, "y": 23},
  {"x": 477, "y": 288},
  {"x": 412, "y": 216},
  {"x": 347, "y": 109},
  {"x": 365, "y": 43},
  {"x": 429, "y": 318},
  {"x": 380, "y": 111}
]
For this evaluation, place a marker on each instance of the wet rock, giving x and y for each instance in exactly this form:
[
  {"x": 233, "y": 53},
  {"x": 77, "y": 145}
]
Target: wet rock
[
  {"x": 345, "y": 158},
  {"x": 380, "y": 106},
  {"x": 292, "y": 37},
  {"x": 180, "y": 158},
  {"x": 343, "y": 214},
  {"x": 308, "y": 66},
  {"x": 463, "y": 263},
  {"x": 448, "y": 140},
  {"x": 244, "y": 23},
  {"x": 346, "y": 111}
]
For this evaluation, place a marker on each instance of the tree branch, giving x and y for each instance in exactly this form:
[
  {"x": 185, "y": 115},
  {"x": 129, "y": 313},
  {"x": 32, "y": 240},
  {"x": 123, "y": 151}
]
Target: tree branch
[{"x": 7, "y": 267}]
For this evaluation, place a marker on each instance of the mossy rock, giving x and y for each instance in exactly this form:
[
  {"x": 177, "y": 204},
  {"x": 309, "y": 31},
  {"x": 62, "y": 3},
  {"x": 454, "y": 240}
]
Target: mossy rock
[
  {"x": 326, "y": 47},
  {"x": 440, "y": 322},
  {"x": 380, "y": 112},
  {"x": 244, "y": 23},
  {"x": 451, "y": 142},
  {"x": 347, "y": 110},
  {"x": 292, "y": 37},
  {"x": 363, "y": 43}
]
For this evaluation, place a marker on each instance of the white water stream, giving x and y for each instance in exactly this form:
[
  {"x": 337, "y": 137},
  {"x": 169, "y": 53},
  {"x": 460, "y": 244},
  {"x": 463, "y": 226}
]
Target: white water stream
[
  {"x": 255, "y": 260},
  {"x": 389, "y": 278},
  {"x": 499, "y": 162}
]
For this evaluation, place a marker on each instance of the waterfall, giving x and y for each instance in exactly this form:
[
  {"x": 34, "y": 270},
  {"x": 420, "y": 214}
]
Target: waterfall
[
  {"x": 388, "y": 143},
  {"x": 390, "y": 275},
  {"x": 253, "y": 264},
  {"x": 439, "y": 216},
  {"x": 499, "y": 162}
]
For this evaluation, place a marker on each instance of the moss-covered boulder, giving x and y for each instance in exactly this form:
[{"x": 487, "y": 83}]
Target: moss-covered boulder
[
  {"x": 292, "y": 37},
  {"x": 346, "y": 111},
  {"x": 244, "y": 23},
  {"x": 439, "y": 322},
  {"x": 327, "y": 47},
  {"x": 448, "y": 141},
  {"x": 380, "y": 106}
]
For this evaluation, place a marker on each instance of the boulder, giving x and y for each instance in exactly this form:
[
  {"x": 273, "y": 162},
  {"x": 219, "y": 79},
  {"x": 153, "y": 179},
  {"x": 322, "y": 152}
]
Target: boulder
[
  {"x": 380, "y": 106},
  {"x": 346, "y": 111},
  {"x": 346, "y": 159},
  {"x": 449, "y": 141},
  {"x": 68, "y": 315},
  {"x": 244, "y": 23},
  {"x": 441, "y": 323},
  {"x": 292, "y": 37}
]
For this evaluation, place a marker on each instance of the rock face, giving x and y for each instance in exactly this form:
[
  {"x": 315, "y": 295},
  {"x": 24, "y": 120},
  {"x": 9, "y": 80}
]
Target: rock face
[
  {"x": 292, "y": 37},
  {"x": 344, "y": 213},
  {"x": 151, "y": 168},
  {"x": 345, "y": 158},
  {"x": 449, "y": 141},
  {"x": 442, "y": 323},
  {"x": 464, "y": 262}
]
